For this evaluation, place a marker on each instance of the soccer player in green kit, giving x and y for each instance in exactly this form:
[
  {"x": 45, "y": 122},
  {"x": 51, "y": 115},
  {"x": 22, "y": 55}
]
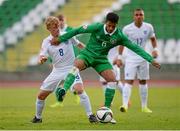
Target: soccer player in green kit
[{"x": 103, "y": 38}]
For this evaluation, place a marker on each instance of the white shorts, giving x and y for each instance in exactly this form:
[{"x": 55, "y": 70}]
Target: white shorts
[
  {"x": 55, "y": 78},
  {"x": 141, "y": 69},
  {"x": 116, "y": 71}
]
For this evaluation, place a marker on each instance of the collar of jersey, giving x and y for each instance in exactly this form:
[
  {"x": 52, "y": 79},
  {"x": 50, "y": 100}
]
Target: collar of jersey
[
  {"x": 105, "y": 32},
  {"x": 138, "y": 27}
]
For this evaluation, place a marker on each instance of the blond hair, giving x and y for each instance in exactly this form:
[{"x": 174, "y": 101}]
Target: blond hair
[{"x": 51, "y": 21}]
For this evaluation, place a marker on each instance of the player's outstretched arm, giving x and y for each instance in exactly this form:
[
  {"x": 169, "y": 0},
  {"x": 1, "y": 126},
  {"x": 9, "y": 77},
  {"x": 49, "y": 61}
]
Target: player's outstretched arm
[
  {"x": 82, "y": 29},
  {"x": 143, "y": 54},
  {"x": 135, "y": 48}
]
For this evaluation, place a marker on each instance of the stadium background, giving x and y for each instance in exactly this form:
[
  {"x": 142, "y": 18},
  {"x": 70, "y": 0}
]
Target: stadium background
[{"x": 22, "y": 31}]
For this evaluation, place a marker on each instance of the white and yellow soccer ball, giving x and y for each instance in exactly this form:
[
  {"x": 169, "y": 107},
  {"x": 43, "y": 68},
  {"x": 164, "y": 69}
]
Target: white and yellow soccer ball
[{"x": 104, "y": 114}]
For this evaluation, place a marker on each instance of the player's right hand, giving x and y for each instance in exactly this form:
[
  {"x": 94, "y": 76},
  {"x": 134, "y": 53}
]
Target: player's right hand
[
  {"x": 55, "y": 41},
  {"x": 42, "y": 59},
  {"x": 156, "y": 64}
]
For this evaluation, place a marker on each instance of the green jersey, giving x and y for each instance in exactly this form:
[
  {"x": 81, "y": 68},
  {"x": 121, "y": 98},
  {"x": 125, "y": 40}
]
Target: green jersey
[
  {"x": 76, "y": 50},
  {"x": 101, "y": 41}
]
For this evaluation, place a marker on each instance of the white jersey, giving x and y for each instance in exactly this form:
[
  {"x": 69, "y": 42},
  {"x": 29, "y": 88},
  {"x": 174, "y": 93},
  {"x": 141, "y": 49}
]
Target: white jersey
[
  {"x": 62, "y": 60},
  {"x": 62, "y": 55},
  {"x": 138, "y": 36}
]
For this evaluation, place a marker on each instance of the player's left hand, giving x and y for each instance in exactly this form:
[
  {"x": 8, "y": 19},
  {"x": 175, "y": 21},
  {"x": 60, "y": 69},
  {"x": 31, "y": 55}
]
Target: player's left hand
[
  {"x": 156, "y": 64},
  {"x": 54, "y": 41}
]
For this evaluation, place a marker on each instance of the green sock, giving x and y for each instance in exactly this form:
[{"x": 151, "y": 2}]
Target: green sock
[
  {"x": 109, "y": 95},
  {"x": 69, "y": 81}
]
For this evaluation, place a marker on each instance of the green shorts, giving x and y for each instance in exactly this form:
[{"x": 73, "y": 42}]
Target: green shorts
[{"x": 99, "y": 63}]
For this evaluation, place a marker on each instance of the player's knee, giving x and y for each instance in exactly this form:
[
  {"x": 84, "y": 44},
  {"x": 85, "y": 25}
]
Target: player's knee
[
  {"x": 130, "y": 81},
  {"x": 74, "y": 71},
  {"x": 104, "y": 83},
  {"x": 42, "y": 96},
  {"x": 111, "y": 80},
  {"x": 83, "y": 96},
  {"x": 112, "y": 85},
  {"x": 143, "y": 82},
  {"x": 79, "y": 89}
]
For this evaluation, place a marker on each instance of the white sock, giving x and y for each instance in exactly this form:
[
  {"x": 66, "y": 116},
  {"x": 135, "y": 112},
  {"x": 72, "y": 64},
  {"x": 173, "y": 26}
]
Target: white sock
[
  {"x": 86, "y": 103},
  {"x": 126, "y": 94},
  {"x": 120, "y": 86},
  {"x": 39, "y": 107},
  {"x": 143, "y": 90}
]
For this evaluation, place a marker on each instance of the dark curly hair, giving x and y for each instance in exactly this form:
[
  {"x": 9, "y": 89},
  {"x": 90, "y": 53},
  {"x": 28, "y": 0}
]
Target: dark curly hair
[{"x": 113, "y": 17}]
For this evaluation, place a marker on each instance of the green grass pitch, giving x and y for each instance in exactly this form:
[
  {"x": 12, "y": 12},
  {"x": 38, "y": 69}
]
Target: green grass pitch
[{"x": 17, "y": 107}]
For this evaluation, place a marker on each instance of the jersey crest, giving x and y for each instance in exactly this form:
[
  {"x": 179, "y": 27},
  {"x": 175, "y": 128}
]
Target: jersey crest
[
  {"x": 113, "y": 41},
  {"x": 85, "y": 27}
]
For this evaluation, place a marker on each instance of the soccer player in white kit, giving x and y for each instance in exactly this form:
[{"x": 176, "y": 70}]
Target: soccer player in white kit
[
  {"x": 65, "y": 28},
  {"x": 138, "y": 32},
  {"x": 62, "y": 59}
]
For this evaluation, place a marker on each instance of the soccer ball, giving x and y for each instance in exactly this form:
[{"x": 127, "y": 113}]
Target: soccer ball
[{"x": 104, "y": 114}]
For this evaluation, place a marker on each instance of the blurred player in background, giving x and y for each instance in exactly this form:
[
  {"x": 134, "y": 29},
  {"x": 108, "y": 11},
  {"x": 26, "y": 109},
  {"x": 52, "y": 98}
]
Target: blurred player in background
[
  {"x": 63, "y": 25},
  {"x": 138, "y": 32},
  {"x": 103, "y": 38},
  {"x": 65, "y": 28},
  {"x": 62, "y": 59}
]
